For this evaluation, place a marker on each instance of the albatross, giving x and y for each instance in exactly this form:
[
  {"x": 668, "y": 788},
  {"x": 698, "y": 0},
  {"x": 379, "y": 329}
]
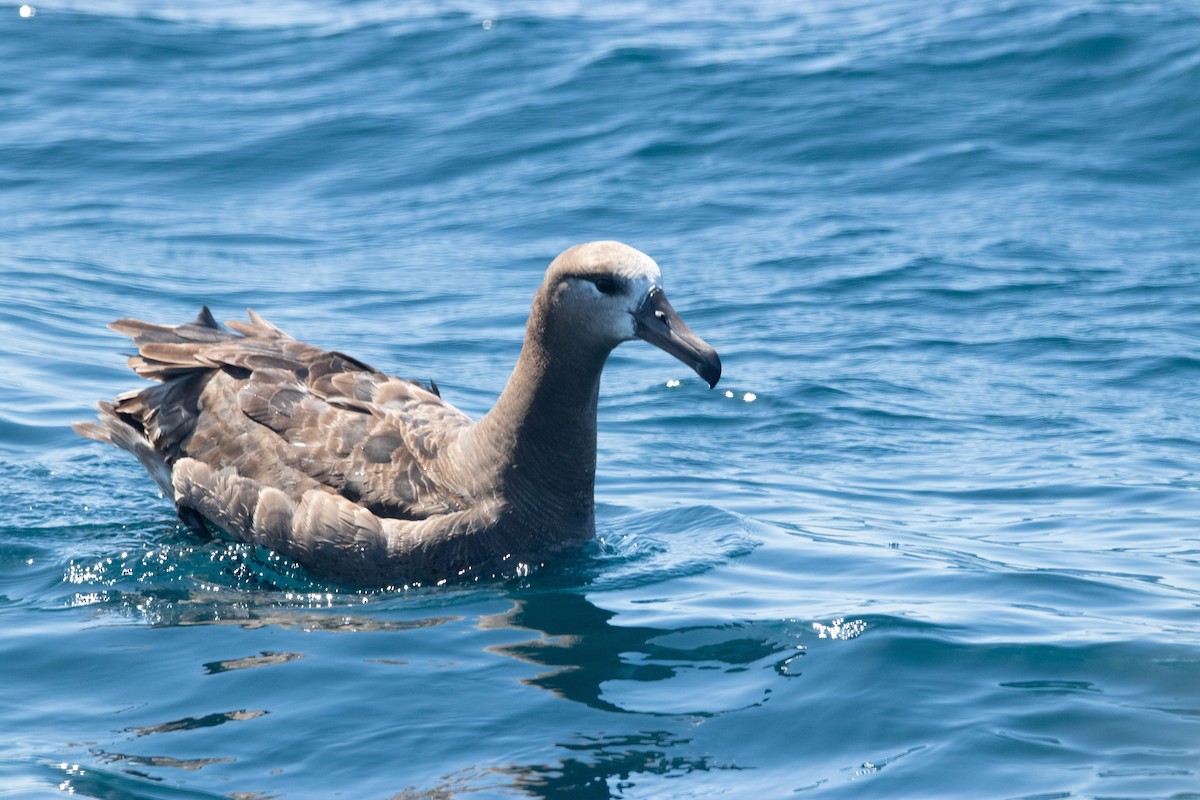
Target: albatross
[{"x": 371, "y": 480}]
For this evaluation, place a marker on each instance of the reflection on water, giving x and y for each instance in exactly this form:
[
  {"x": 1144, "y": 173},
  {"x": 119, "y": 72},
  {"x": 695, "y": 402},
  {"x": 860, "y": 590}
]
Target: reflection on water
[
  {"x": 586, "y": 654},
  {"x": 325, "y": 612},
  {"x": 194, "y": 723},
  {"x": 651, "y": 688},
  {"x": 595, "y": 761},
  {"x": 623, "y": 670},
  {"x": 161, "y": 761},
  {"x": 636, "y": 674}
]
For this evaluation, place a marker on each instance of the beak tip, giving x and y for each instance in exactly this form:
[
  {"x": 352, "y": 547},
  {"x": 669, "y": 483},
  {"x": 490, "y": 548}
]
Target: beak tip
[{"x": 710, "y": 370}]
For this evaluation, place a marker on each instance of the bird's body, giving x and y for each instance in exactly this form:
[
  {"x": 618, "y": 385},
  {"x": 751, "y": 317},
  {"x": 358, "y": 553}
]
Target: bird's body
[{"x": 368, "y": 479}]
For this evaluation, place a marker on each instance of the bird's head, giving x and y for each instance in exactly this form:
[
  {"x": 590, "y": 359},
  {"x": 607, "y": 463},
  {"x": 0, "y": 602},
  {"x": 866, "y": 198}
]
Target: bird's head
[{"x": 612, "y": 293}]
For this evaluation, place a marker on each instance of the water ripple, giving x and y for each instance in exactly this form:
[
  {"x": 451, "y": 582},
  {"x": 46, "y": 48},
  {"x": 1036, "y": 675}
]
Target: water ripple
[{"x": 948, "y": 249}]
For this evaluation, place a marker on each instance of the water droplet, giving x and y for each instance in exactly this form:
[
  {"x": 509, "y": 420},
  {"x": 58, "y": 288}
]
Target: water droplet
[
  {"x": 749, "y": 397},
  {"x": 487, "y": 24},
  {"x": 27, "y": 11},
  {"x": 728, "y": 393},
  {"x": 671, "y": 384}
]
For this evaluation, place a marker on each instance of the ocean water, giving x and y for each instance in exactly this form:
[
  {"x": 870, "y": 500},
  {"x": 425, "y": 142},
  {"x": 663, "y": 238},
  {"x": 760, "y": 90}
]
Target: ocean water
[{"x": 935, "y": 534}]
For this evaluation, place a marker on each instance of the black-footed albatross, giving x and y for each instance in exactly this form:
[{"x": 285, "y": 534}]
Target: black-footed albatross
[{"x": 371, "y": 480}]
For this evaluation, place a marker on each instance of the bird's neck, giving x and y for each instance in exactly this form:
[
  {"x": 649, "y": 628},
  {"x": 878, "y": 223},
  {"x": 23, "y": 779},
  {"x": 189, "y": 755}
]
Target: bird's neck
[{"x": 541, "y": 435}]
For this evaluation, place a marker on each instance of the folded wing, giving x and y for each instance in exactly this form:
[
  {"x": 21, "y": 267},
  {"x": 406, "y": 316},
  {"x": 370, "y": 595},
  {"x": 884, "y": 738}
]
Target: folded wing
[{"x": 261, "y": 410}]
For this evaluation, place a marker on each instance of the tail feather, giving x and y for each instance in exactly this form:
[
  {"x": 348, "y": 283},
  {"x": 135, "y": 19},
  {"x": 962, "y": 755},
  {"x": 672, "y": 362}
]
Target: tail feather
[
  {"x": 204, "y": 328},
  {"x": 182, "y": 358},
  {"x": 167, "y": 413},
  {"x": 257, "y": 327},
  {"x": 115, "y": 430},
  {"x": 154, "y": 423},
  {"x": 171, "y": 351}
]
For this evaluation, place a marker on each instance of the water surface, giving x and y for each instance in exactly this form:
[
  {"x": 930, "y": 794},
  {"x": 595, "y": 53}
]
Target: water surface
[{"x": 934, "y": 534}]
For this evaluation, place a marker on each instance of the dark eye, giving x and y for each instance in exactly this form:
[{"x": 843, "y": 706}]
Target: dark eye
[{"x": 606, "y": 284}]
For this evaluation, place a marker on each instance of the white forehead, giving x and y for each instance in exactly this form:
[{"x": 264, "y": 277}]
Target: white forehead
[{"x": 594, "y": 258}]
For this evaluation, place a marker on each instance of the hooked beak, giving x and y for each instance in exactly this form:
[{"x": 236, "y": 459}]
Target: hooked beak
[{"x": 657, "y": 323}]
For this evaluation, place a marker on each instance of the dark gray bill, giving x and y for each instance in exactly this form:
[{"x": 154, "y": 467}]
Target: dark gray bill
[{"x": 657, "y": 323}]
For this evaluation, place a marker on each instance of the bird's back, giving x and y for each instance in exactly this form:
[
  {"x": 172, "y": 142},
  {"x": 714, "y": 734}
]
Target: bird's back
[{"x": 282, "y": 443}]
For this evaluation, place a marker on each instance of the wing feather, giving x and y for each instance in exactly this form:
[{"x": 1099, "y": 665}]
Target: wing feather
[{"x": 268, "y": 416}]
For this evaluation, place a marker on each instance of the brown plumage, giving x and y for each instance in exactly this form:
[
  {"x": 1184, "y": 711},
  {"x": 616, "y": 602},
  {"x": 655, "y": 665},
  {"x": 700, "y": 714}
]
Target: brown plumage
[{"x": 368, "y": 479}]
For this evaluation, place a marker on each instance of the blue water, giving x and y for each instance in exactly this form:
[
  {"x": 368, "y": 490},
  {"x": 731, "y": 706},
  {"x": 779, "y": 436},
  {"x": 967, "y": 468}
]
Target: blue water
[{"x": 936, "y": 533}]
